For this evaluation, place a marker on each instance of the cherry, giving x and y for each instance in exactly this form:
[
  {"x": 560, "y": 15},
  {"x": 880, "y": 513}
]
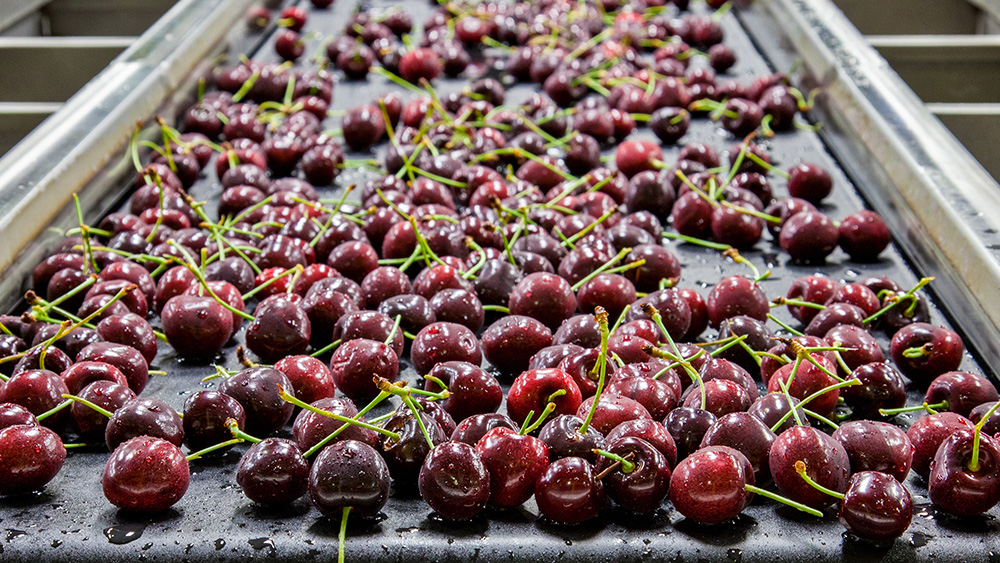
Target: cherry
[
  {"x": 863, "y": 236},
  {"x": 960, "y": 391},
  {"x": 965, "y": 475},
  {"x": 144, "y": 416},
  {"x": 355, "y": 363},
  {"x": 534, "y": 390},
  {"x": 206, "y": 415},
  {"x": 420, "y": 64},
  {"x": 509, "y": 343},
  {"x": 861, "y": 347},
  {"x": 876, "y": 446},
  {"x": 687, "y": 426},
  {"x": 131, "y": 330},
  {"x": 876, "y": 506},
  {"x": 649, "y": 431},
  {"x": 311, "y": 379},
  {"x": 405, "y": 452},
  {"x": 257, "y": 390},
  {"x": 458, "y": 306},
  {"x": 349, "y": 474},
  {"x": 311, "y": 428},
  {"x": 371, "y": 325},
  {"x": 810, "y": 182},
  {"x": 30, "y": 456},
  {"x": 495, "y": 281},
  {"x": 642, "y": 489},
  {"x": 808, "y": 236},
  {"x": 837, "y": 314},
  {"x": 12, "y": 414},
  {"x": 454, "y": 481},
  {"x": 273, "y": 472},
  {"x": 128, "y": 360},
  {"x": 107, "y": 395},
  {"x": 81, "y": 374},
  {"x": 472, "y": 390},
  {"x": 545, "y": 297},
  {"x": 736, "y": 295},
  {"x": 825, "y": 460},
  {"x": 808, "y": 379},
  {"x": 637, "y": 155},
  {"x": 472, "y": 429},
  {"x": 197, "y": 327},
  {"x": 927, "y": 434},
  {"x": 774, "y": 407},
  {"x": 444, "y": 342},
  {"x": 923, "y": 351},
  {"x": 660, "y": 264},
  {"x": 783, "y": 209},
  {"x": 709, "y": 486},
  {"x": 758, "y": 338},
  {"x": 568, "y": 491},
  {"x": 746, "y": 434},
  {"x": 515, "y": 463},
  {"x": 38, "y": 391},
  {"x": 882, "y": 387},
  {"x": 362, "y": 126},
  {"x": 611, "y": 410},
  {"x": 145, "y": 474}
]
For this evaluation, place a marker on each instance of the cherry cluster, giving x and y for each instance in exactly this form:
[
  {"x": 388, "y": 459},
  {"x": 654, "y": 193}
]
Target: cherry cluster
[{"x": 497, "y": 231}]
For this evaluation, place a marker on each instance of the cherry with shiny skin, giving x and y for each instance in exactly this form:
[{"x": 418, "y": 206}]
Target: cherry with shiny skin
[
  {"x": 144, "y": 416},
  {"x": 927, "y": 434},
  {"x": 923, "y": 351},
  {"x": 882, "y": 387},
  {"x": 458, "y": 306},
  {"x": 145, "y": 474},
  {"x": 509, "y": 343},
  {"x": 956, "y": 486},
  {"x": 758, "y": 338},
  {"x": 354, "y": 364},
  {"x": 612, "y": 410},
  {"x": 472, "y": 429},
  {"x": 515, "y": 463},
  {"x": 197, "y": 327},
  {"x": 809, "y": 236},
  {"x": 311, "y": 379},
  {"x": 533, "y": 390},
  {"x": 257, "y": 390},
  {"x": 444, "y": 342},
  {"x": 812, "y": 289},
  {"x": 130, "y": 330},
  {"x": 12, "y": 414},
  {"x": 30, "y": 456},
  {"x": 81, "y": 374},
  {"x": 861, "y": 347},
  {"x": 206, "y": 418},
  {"x": 472, "y": 390},
  {"x": 454, "y": 481},
  {"x": 772, "y": 407},
  {"x": 863, "y": 236},
  {"x": 657, "y": 397},
  {"x": 807, "y": 380},
  {"x": 736, "y": 295},
  {"x": 876, "y": 446},
  {"x": 568, "y": 492},
  {"x": 876, "y": 506},
  {"x": 405, "y": 455},
  {"x": 563, "y": 438},
  {"x": 110, "y": 396},
  {"x": 810, "y": 182},
  {"x": 127, "y": 359},
  {"x": 709, "y": 486},
  {"x": 746, "y": 434},
  {"x": 38, "y": 391},
  {"x": 643, "y": 489},
  {"x": 273, "y": 472},
  {"x": 961, "y": 391},
  {"x": 835, "y": 315},
  {"x": 310, "y": 428},
  {"x": 371, "y": 325},
  {"x": 825, "y": 459}
]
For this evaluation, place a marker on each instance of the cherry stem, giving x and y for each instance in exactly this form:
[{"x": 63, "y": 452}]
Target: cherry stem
[
  {"x": 601, "y": 316},
  {"x": 897, "y": 300},
  {"x": 234, "y": 429},
  {"x": 395, "y": 327},
  {"x": 821, "y": 418},
  {"x": 654, "y": 314},
  {"x": 767, "y": 165},
  {"x": 83, "y": 401},
  {"x": 497, "y": 308},
  {"x": 697, "y": 241},
  {"x": 285, "y": 396},
  {"x": 784, "y": 500},
  {"x": 974, "y": 461},
  {"x": 793, "y": 411},
  {"x": 779, "y": 301},
  {"x": 330, "y": 437},
  {"x": 264, "y": 285},
  {"x": 918, "y": 351},
  {"x": 800, "y": 468},
  {"x": 210, "y": 449},
  {"x": 342, "y": 537},
  {"x": 326, "y": 348},
  {"x": 785, "y": 326},
  {"x": 620, "y": 319},
  {"x": 601, "y": 269},
  {"x": 930, "y": 409},
  {"x": 541, "y": 418},
  {"x": 626, "y": 465},
  {"x": 53, "y": 410}
]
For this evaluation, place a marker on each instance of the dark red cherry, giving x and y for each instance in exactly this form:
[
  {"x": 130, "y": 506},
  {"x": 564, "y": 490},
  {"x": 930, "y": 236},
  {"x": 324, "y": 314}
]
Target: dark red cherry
[
  {"x": 197, "y": 327},
  {"x": 736, "y": 295},
  {"x": 810, "y": 182},
  {"x": 954, "y": 485},
  {"x": 876, "y": 507},
  {"x": 771, "y": 408},
  {"x": 454, "y": 481},
  {"x": 836, "y": 314},
  {"x": 863, "y": 236},
  {"x": 611, "y": 411},
  {"x": 144, "y": 416},
  {"x": 30, "y": 456},
  {"x": 310, "y": 428},
  {"x": 510, "y": 342},
  {"x": 405, "y": 455},
  {"x": 131, "y": 330},
  {"x": 371, "y": 325},
  {"x": 444, "y": 342},
  {"x": 545, "y": 297},
  {"x": 273, "y": 472},
  {"x": 458, "y": 306},
  {"x": 747, "y": 434},
  {"x": 257, "y": 390},
  {"x": 643, "y": 489},
  {"x": 280, "y": 328},
  {"x": 81, "y": 374},
  {"x": 515, "y": 463},
  {"x": 709, "y": 486},
  {"x": 206, "y": 414},
  {"x": 876, "y": 446},
  {"x": 882, "y": 387},
  {"x": 568, "y": 491},
  {"x": 923, "y": 351},
  {"x": 311, "y": 379},
  {"x": 38, "y": 391},
  {"x": 145, "y": 474},
  {"x": 961, "y": 391},
  {"x": 927, "y": 434},
  {"x": 809, "y": 236},
  {"x": 357, "y": 361},
  {"x": 825, "y": 459},
  {"x": 807, "y": 380},
  {"x": 12, "y": 414},
  {"x": 472, "y": 390},
  {"x": 862, "y": 348},
  {"x": 472, "y": 429}
]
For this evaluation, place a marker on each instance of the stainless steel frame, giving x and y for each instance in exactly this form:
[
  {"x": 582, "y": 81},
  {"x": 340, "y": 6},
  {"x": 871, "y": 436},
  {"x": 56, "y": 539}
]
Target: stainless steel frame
[
  {"x": 82, "y": 144},
  {"x": 941, "y": 203}
]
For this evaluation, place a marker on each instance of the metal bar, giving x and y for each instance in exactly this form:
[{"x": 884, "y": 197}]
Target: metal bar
[
  {"x": 950, "y": 68},
  {"x": 911, "y": 16},
  {"x": 929, "y": 188}
]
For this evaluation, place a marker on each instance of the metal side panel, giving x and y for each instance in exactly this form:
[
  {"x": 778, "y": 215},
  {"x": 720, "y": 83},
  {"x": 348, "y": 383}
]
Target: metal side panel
[
  {"x": 17, "y": 119},
  {"x": 929, "y": 188},
  {"x": 51, "y": 69},
  {"x": 104, "y": 17},
  {"x": 912, "y": 17},
  {"x": 82, "y": 142},
  {"x": 945, "y": 68},
  {"x": 977, "y": 126}
]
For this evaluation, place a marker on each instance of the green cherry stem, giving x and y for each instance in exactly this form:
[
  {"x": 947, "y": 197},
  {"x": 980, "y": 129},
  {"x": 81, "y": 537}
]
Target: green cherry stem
[
  {"x": 103, "y": 411},
  {"x": 342, "y": 536},
  {"x": 784, "y": 500},
  {"x": 285, "y": 396},
  {"x": 234, "y": 429},
  {"x": 974, "y": 461},
  {"x": 800, "y": 468},
  {"x": 601, "y": 316},
  {"x": 626, "y": 465},
  {"x": 210, "y": 449}
]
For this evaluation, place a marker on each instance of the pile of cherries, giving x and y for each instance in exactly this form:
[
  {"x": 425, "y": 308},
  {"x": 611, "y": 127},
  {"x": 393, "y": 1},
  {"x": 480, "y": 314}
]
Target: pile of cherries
[{"x": 497, "y": 231}]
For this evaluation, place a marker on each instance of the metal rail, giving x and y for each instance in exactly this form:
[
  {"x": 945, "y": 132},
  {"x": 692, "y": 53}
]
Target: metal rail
[{"x": 935, "y": 196}]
